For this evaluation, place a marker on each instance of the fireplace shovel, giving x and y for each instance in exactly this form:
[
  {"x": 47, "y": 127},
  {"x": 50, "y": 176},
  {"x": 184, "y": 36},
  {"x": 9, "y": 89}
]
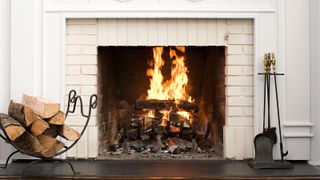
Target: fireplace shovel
[{"x": 265, "y": 141}]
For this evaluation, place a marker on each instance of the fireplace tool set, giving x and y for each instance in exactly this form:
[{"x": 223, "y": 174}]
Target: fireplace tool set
[
  {"x": 264, "y": 141},
  {"x": 73, "y": 99}
]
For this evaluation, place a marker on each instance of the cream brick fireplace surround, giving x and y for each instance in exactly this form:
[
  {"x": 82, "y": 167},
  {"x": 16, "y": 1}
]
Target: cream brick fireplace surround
[
  {"x": 84, "y": 35},
  {"x": 57, "y": 51}
]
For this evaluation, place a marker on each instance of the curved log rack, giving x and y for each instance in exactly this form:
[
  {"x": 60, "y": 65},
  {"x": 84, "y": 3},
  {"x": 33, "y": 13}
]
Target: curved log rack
[{"x": 72, "y": 102}]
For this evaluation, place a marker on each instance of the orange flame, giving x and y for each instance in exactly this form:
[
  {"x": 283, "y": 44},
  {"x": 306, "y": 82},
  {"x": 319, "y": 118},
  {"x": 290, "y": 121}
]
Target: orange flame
[{"x": 174, "y": 88}]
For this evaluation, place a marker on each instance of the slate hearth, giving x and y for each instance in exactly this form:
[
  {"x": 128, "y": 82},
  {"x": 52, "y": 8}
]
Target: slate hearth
[{"x": 178, "y": 169}]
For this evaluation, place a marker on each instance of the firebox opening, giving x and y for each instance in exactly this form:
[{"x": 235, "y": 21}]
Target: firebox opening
[{"x": 125, "y": 129}]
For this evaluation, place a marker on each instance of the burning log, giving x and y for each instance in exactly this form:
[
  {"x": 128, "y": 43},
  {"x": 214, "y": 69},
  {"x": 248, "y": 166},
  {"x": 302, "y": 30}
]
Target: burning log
[
  {"x": 165, "y": 105},
  {"x": 188, "y": 106},
  {"x": 186, "y": 133},
  {"x": 133, "y": 134},
  {"x": 154, "y": 104}
]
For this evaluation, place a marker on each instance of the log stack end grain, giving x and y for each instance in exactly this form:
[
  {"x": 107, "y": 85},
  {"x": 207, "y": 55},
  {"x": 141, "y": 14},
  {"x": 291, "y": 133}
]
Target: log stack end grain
[{"x": 32, "y": 127}]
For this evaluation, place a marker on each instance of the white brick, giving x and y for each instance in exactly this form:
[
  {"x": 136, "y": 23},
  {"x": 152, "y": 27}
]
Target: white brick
[
  {"x": 90, "y": 50},
  {"x": 72, "y": 153},
  {"x": 239, "y": 60},
  {"x": 247, "y": 49},
  {"x": 239, "y": 121},
  {"x": 86, "y": 109},
  {"x": 93, "y": 142},
  {"x": 88, "y": 90},
  {"x": 234, "y": 91},
  {"x": 90, "y": 29},
  {"x": 248, "y": 91},
  {"x": 248, "y": 28},
  {"x": 73, "y": 49},
  {"x": 69, "y": 88},
  {"x": 239, "y": 80},
  {"x": 249, "y": 146},
  {"x": 240, "y": 101},
  {"x": 234, "y": 70},
  {"x": 75, "y": 119},
  {"x": 85, "y": 99},
  {"x": 248, "y": 111},
  {"x": 240, "y": 39},
  {"x": 230, "y": 144},
  {"x": 240, "y": 143},
  {"x": 235, "y": 28},
  {"x": 235, "y": 111},
  {"x": 81, "y": 80},
  {"x": 74, "y": 29},
  {"x": 82, "y": 146},
  {"x": 82, "y": 39},
  {"x": 73, "y": 69},
  {"x": 89, "y": 69},
  {"x": 81, "y": 60},
  {"x": 82, "y": 21},
  {"x": 247, "y": 70},
  {"x": 235, "y": 49}
]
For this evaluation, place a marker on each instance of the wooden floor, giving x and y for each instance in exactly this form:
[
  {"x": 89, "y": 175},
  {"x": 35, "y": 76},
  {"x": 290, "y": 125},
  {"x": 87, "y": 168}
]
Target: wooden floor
[{"x": 90, "y": 169}]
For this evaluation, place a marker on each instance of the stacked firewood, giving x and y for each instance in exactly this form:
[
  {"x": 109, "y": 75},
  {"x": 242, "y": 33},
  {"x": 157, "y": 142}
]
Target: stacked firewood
[{"x": 34, "y": 125}]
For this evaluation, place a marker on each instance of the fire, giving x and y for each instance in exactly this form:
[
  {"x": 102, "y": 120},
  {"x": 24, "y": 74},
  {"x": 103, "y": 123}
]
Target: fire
[{"x": 175, "y": 87}]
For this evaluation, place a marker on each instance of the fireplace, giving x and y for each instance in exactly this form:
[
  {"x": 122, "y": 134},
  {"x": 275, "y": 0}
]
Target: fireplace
[
  {"x": 111, "y": 57},
  {"x": 59, "y": 53},
  {"x": 161, "y": 99}
]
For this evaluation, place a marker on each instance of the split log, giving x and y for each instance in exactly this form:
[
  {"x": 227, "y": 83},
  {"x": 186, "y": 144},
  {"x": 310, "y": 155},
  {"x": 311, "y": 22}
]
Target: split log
[
  {"x": 57, "y": 119},
  {"x": 44, "y": 108},
  {"x": 188, "y": 106},
  {"x": 165, "y": 105},
  {"x": 69, "y": 133},
  {"x": 52, "y": 131},
  {"x": 11, "y": 126},
  {"x": 154, "y": 104},
  {"x": 51, "y": 146},
  {"x": 29, "y": 116},
  {"x": 38, "y": 127},
  {"x": 16, "y": 111},
  {"x": 28, "y": 144}
]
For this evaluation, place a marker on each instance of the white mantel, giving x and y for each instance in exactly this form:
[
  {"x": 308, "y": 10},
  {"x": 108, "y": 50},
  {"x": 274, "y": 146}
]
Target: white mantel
[{"x": 280, "y": 26}]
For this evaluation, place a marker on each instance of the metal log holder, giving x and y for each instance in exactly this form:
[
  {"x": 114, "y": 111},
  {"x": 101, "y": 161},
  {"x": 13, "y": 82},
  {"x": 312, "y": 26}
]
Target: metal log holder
[
  {"x": 73, "y": 99},
  {"x": 265, "y": 141}
]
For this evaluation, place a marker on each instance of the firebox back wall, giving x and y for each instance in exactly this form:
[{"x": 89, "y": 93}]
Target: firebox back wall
[{"x": 84, "y": 35}]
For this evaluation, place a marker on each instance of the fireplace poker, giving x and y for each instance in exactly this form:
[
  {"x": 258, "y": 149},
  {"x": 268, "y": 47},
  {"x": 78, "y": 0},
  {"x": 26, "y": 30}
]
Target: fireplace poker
[{"x": 283, "y": 154}]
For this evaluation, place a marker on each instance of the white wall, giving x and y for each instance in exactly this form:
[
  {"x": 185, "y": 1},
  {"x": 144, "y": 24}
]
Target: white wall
[
  {"x": 315, "y": 79},
  {"x": 4, "y": 65}
]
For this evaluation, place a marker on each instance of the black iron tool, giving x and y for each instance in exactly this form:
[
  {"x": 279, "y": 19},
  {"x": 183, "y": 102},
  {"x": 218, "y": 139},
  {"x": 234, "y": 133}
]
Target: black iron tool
[
  {"x": 283, "y": 154},
  {"x": 268, "y": 131},
  {"x": 265, "y": 141}
]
